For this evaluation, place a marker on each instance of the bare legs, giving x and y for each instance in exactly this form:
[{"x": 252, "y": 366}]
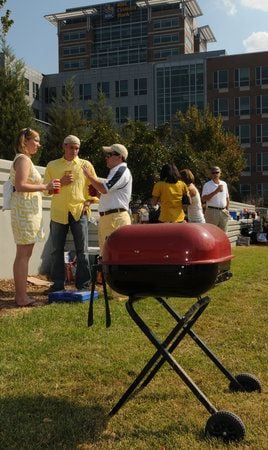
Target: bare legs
[{"x": 20, "y": 270}]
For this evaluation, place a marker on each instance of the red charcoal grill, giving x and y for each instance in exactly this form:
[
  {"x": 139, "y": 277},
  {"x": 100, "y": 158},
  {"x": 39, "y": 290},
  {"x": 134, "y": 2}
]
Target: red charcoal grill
[{"x": 173, "y": 260}]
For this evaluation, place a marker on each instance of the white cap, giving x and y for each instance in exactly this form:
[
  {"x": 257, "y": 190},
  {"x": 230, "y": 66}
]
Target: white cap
[
  {"x": 118, "y": 148},
  {"x": 71, "y": 139}
]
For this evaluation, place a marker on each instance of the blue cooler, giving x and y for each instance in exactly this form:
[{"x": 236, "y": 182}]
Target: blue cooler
[{"x": 71, "y": 296}]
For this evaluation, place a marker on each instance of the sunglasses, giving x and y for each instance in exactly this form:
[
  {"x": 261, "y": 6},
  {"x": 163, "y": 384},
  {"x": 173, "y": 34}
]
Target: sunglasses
[
  {"x": 108, "y": 155},
  {"x": 27, "y": 133},
  {"x": 213, "y": 173}
]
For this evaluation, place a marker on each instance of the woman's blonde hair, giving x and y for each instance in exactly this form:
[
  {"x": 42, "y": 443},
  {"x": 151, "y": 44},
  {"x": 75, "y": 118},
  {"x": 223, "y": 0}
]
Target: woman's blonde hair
[
  {"x": 24, "y": 135},
  {"x": 187, "y": 176}
]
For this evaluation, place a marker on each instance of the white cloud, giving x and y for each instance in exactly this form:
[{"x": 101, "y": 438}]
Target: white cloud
[
  {"x": 261, "y": 5},
  {"x": 230, "y": 7},
  {"x": 257, "y": 41}
]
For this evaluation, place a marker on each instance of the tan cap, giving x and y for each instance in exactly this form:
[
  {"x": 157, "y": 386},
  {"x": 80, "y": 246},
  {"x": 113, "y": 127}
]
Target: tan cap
[
  {"x": 118, "y": 148},
  {"x": 215, "y": 169},
  {"x": 71, "y": 139}
]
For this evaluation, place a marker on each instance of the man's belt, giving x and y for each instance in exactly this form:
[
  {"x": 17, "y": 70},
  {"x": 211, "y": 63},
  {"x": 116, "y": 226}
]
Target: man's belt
[
  {"x": 215, "y": 207},
  {"x": 111, "y": 211}
]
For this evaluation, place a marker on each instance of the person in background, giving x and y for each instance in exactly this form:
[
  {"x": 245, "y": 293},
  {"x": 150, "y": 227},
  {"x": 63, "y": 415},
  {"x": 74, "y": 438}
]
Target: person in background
[
  {"x": 216, "y": 196},
  {"x": 115, "y": 192},
  {"x": 69, "y": 209},
  {"x": 194, "y": 210},
  {"x": 26, "y": 210},
  {"x": 169, "y": 192}
]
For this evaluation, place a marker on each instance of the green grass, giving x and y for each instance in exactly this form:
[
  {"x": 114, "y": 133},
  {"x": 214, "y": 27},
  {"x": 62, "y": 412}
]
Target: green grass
[{"x": 59, "y": 379}]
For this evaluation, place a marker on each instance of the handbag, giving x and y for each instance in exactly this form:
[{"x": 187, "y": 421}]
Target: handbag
[
  {"x": 8, "y": 190},
  {"x": 186, "y": 199}
]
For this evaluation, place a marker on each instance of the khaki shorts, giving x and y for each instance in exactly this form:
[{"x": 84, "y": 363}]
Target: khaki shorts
[
  {"x": 110, "y": 223},
  {"x": 217, "y": 217}
]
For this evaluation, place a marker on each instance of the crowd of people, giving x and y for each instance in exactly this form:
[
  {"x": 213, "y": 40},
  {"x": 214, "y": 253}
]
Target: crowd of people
[{"x": 73, "y": 185}]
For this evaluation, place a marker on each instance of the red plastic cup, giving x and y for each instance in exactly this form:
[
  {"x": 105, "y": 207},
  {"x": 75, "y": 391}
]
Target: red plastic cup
[
  {"x": 92, "y": 191},
  {"x": 56, "y": 186}
]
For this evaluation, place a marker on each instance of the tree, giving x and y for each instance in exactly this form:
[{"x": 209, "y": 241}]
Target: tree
[
  {"x": 101, "y": 131},
  {"x": 147, "y": 154},
  {"x": 201, "y": 142},
  {"x": 15, "y": 112},
  {"x": 65, "y": 118}
]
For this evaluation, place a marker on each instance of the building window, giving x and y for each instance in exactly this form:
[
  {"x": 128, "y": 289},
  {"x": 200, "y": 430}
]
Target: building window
[
  {"x": 262, "y": 192},
  {"x": 104, "y": 87},
  {"x": 26, "y": 86},
  {"x": 247, "y": 168},
  {"x": 245, "y": 191},
  {"x": 140, "y": 113},
  {"x": 243, "y": 133},
  {"x": 121, "y": 114},
  {"x": 165, "y": 38},
  {"x": 159, "y": 54},
  {"x": 75, "y": 64},
  {"x": 140, "y": 86},
  {"x": 262, "y": 75},
  {"x": 121, "y": 88},
  {"x": 262, "y": 162},
  {"x": 221, "y": 79},
  {"x": 85, "y": 91},
  {"x": 221, "y": 107},
  {"x": 242, "y": 106},
  {"x": 50, "y": 94},
  {"x": 36, "y": 91},
  {"x": 262, "y": 133},
  {"x": 74, "y": 35},
  {"x": 77, "y": 50},
  {"x": 166, "y": 23},
  {"x": 262, "y": 104},
  {"x": 242, "y": 77}
]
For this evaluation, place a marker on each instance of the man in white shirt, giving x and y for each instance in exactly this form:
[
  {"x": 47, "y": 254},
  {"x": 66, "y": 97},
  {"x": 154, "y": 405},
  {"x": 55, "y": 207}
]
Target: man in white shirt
[
  {"x": 115, "y": 192},
  {"x": 216, "y": 196}
]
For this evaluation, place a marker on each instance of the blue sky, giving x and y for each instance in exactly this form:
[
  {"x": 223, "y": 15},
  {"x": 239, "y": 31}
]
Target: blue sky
[{"x": 239, "y": 26}]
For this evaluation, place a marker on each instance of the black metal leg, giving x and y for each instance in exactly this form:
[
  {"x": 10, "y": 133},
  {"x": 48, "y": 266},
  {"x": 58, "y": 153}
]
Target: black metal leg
[
  {"x": 198, "y": 341},
  {"x": 97, "y": 267},
  {"x": 191, "y": 315}
]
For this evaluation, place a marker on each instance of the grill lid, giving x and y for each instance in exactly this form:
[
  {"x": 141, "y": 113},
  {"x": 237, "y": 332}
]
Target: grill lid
[{"x": 167, "y": 244}]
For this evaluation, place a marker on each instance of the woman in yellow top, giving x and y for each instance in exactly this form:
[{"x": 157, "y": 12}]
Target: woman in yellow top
[
  {"x": 168, "y": 192},
  {"x": 26, "y": 209}
]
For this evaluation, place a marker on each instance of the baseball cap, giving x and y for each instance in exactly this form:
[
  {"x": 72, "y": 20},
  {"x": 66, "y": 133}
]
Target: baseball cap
[
  {"x": 71, "y": 139},
  {"x": 118, "y": 148}
]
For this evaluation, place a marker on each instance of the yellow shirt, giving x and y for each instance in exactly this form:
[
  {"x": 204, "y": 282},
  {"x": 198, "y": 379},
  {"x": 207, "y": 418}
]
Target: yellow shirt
[
  {"x": 71, "y": 198},
  {"x": 170, "y": 199}
]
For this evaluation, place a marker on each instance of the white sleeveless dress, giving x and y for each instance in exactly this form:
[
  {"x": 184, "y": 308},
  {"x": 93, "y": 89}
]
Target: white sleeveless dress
[{"x": 195, "y": 210}]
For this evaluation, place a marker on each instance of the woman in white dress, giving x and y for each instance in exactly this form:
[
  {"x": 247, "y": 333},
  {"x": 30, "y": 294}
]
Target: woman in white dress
[{"x": 195, "y": 210}]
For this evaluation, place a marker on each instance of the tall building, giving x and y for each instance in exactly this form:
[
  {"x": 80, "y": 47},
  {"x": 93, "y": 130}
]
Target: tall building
[{"x": 128, "y": 32}]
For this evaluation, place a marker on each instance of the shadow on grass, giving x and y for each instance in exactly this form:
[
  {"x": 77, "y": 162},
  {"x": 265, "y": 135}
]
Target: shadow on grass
[{"x": 49, "y": 423}]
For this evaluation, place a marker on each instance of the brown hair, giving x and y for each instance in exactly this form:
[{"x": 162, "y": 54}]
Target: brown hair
[
  {"x": 24, "y": 135},
  {"x": 187, "y": 176}
]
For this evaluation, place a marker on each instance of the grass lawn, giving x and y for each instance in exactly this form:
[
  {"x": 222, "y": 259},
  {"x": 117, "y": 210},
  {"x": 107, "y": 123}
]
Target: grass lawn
[{"x": 59, "y": 379}]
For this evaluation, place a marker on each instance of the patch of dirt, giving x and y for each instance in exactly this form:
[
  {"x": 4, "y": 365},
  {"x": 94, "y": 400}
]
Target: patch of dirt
[{"x": 38, "y": 293}]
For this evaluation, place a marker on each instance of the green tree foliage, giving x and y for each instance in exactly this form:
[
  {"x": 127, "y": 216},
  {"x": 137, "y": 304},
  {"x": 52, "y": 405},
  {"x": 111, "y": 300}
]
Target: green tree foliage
[
  {"x": 201, "y": 142},
  {"x": 101, "y": 131},
  {"x": 15, "y": 112},
  {"x": 65, "y": 118},
  {"x": 147, "y": 154}
]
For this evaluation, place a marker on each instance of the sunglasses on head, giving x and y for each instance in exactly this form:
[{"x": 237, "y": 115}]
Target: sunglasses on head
[
  {"x": 27, "y": 133},
  {"x": 108, "y": 155}
]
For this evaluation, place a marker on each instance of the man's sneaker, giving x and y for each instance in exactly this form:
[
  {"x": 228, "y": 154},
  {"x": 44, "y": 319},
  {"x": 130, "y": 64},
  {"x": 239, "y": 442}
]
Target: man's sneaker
[{"x": 54, "y": 288}]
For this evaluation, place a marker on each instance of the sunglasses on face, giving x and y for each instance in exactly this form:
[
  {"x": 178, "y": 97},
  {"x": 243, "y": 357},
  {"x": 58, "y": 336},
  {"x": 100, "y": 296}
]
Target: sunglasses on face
[
  {"x": 108, "y": 155},
  {"x": 213, "y": 173}
]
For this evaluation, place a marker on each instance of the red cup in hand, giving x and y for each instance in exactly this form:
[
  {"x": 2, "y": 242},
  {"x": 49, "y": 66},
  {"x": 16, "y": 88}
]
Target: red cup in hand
[
  {"x": 92, "y": 191},
  {"x": 56, "y": 186}
]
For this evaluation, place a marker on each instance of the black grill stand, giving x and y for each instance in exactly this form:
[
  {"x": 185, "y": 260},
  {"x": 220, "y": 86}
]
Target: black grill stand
[{"x": 221, "y": 424}]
